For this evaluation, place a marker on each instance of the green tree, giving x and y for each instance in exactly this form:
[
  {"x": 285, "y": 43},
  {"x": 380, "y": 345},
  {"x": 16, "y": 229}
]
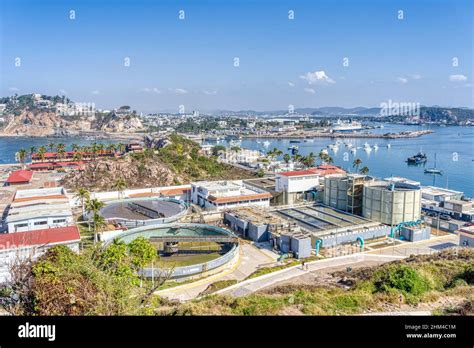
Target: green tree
[
  {"x": 141, "y": 251},
  {"x": 21, "y": 157},
  {"x": 83, "y": 195},
  {"x": 51, "y": 146},
  {"x": 286, "y": 158},
  {"x": 364, "y": 170},
  {"x": 120, "y": 186},
  {"x": 217, "y": 149},
  {"x": 93, "y": 207},
  {"x": 308, "y": 161},
  {"x": 357, "y": 162},
  {"x": 61, "y": 148},
  {"x": 32, "y": 150},
  {"x": 42, "y": 153}
]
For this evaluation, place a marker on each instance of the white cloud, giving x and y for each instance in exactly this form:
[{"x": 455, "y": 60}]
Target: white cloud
[
  {"x": 415, "y": 76},
  {"x": 151, "y": 90},
  {"x": 178, "y": 90},
  {"x": 402, "y": 80},
  {"x": 317, "y": 76},
  {"x": 310, "y": 90},
  {"x": 13, "y": 89},
  {"x": 291, "y": 84},
  {"x": 95, "y": 92},
  {"x": 457, "y": 78},
  {"x": 213, "y": 92}
]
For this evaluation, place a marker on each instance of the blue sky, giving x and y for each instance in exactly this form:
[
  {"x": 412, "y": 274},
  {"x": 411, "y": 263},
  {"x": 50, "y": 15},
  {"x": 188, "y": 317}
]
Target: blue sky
[{"x": 190, "y": 62}]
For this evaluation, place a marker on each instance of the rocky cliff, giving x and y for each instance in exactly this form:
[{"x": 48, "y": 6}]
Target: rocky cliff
[{"x": 28, "y": 120}]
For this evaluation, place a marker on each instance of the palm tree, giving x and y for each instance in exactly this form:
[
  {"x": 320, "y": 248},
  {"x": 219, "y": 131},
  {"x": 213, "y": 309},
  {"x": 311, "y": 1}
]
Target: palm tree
[
  {"x": 329, "y": 159},
  {"x": 297, "y": 158},
  {"x": 120, "y": 185},
  {"x": 83, "y": 195},
  {"x": 20, "y": 156},
  {"x": 94, "y": 150},
  {"x": 93, "y": 206},
  {"x": 364, "y": 170},
  {"x": 100, "y": 148},
  {"x": 121, "y": 147},
  {"x": 42, "y": 152},
  {"x": 112, "y": 148},
  {"x": 99, "y": 224},
  {"x": 32, "y": 150},
  {"x": 75, "y": 147},
  {"x": 235, "y": 148},
  {"x": 51, "y": 146},
  {"x": 286, "y": 158},
  {"x": 77, "y": 156},
  {"x": 308, "y": 161},
  {"x": 357, "y": 162},
  {"x": 61, "y": 150},
  {"x": 322, "y": 155}
]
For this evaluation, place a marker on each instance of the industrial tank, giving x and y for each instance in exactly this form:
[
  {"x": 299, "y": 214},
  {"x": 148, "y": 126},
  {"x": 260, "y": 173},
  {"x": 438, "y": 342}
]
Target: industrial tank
[{"x": 391, "y": 203}]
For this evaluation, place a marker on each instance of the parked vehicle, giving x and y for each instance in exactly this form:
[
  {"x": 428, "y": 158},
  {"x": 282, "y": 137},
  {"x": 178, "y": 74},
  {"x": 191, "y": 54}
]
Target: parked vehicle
[{"x": 445, "y": 217}]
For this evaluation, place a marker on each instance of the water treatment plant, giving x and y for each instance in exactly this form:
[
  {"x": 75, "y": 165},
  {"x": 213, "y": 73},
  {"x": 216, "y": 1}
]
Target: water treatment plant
[
  {"x": 144, "y": 211},
  {"x": 188, "y": 249}
]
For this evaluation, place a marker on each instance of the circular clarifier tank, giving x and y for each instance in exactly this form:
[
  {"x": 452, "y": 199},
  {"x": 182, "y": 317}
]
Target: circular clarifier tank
[{"x": 140, "y": 212}]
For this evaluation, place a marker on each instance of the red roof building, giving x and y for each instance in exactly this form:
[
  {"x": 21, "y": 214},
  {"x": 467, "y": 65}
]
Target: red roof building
[
  {"x": 49, "y": 236},
  {"x": 19, "y": 177},
  {"x": 320, "y": 170}
]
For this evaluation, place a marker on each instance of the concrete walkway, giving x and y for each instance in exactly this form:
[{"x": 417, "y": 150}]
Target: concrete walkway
[{"x": 255, "y": 284}]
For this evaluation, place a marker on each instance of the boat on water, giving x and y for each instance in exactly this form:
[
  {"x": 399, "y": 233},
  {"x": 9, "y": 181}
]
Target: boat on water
[
  {"x": 235, "y": 143},
  {"x": 325, "y": 151},
  {"x": 419, "y": 158},
  {"x": 346, "y": 126},
  {"x": 376, "y": 147},
  {"x": 353, "y": 150},
  {"x": 293, "y": 149},
  {"x": 295, "y": 141},
  {"x": 389, "y": 146},
  {"x": 433, "y": 170},
  {"x": 266, "y": 143}
]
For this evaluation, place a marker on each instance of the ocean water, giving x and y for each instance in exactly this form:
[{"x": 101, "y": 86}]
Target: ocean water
[
  {"x": 454, "y": 148},
  {"x": 10, "y": 145}
]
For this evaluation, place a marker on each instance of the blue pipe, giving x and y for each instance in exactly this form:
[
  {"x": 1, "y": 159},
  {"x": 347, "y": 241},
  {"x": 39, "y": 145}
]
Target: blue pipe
[{"x": 318, "y": 245}]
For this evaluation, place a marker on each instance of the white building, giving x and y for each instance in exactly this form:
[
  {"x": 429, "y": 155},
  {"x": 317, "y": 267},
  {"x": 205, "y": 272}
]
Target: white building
[
  {"x": 39, "y": 209},
  {"x": 220, "y": 195},
  {"x": 245, "y": 156},
  {"x": 439, "y": 194},
  {"x": 294, "y": 184},
  {"x": 297, "y": 181},
  {"x": 32, "y": 244}
]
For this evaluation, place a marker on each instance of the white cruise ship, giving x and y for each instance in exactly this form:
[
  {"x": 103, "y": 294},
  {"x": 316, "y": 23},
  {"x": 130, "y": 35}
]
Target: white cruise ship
[{"x": 346, "y": 126}]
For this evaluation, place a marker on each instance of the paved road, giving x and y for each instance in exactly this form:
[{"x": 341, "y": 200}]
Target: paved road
[
  {"x": 251, "y": 257},
  {"x": 382, "y": 255},
  {"x": 255, "y": 284}
]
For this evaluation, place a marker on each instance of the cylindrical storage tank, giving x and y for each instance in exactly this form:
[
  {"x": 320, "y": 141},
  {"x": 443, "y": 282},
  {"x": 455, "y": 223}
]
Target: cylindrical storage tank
[
  {"x": 335, "y": 191},
  {"x": 402, "y": 204}
]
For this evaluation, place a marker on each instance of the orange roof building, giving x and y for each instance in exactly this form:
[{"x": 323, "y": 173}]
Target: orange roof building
[{"x": 221, "y": 195}]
